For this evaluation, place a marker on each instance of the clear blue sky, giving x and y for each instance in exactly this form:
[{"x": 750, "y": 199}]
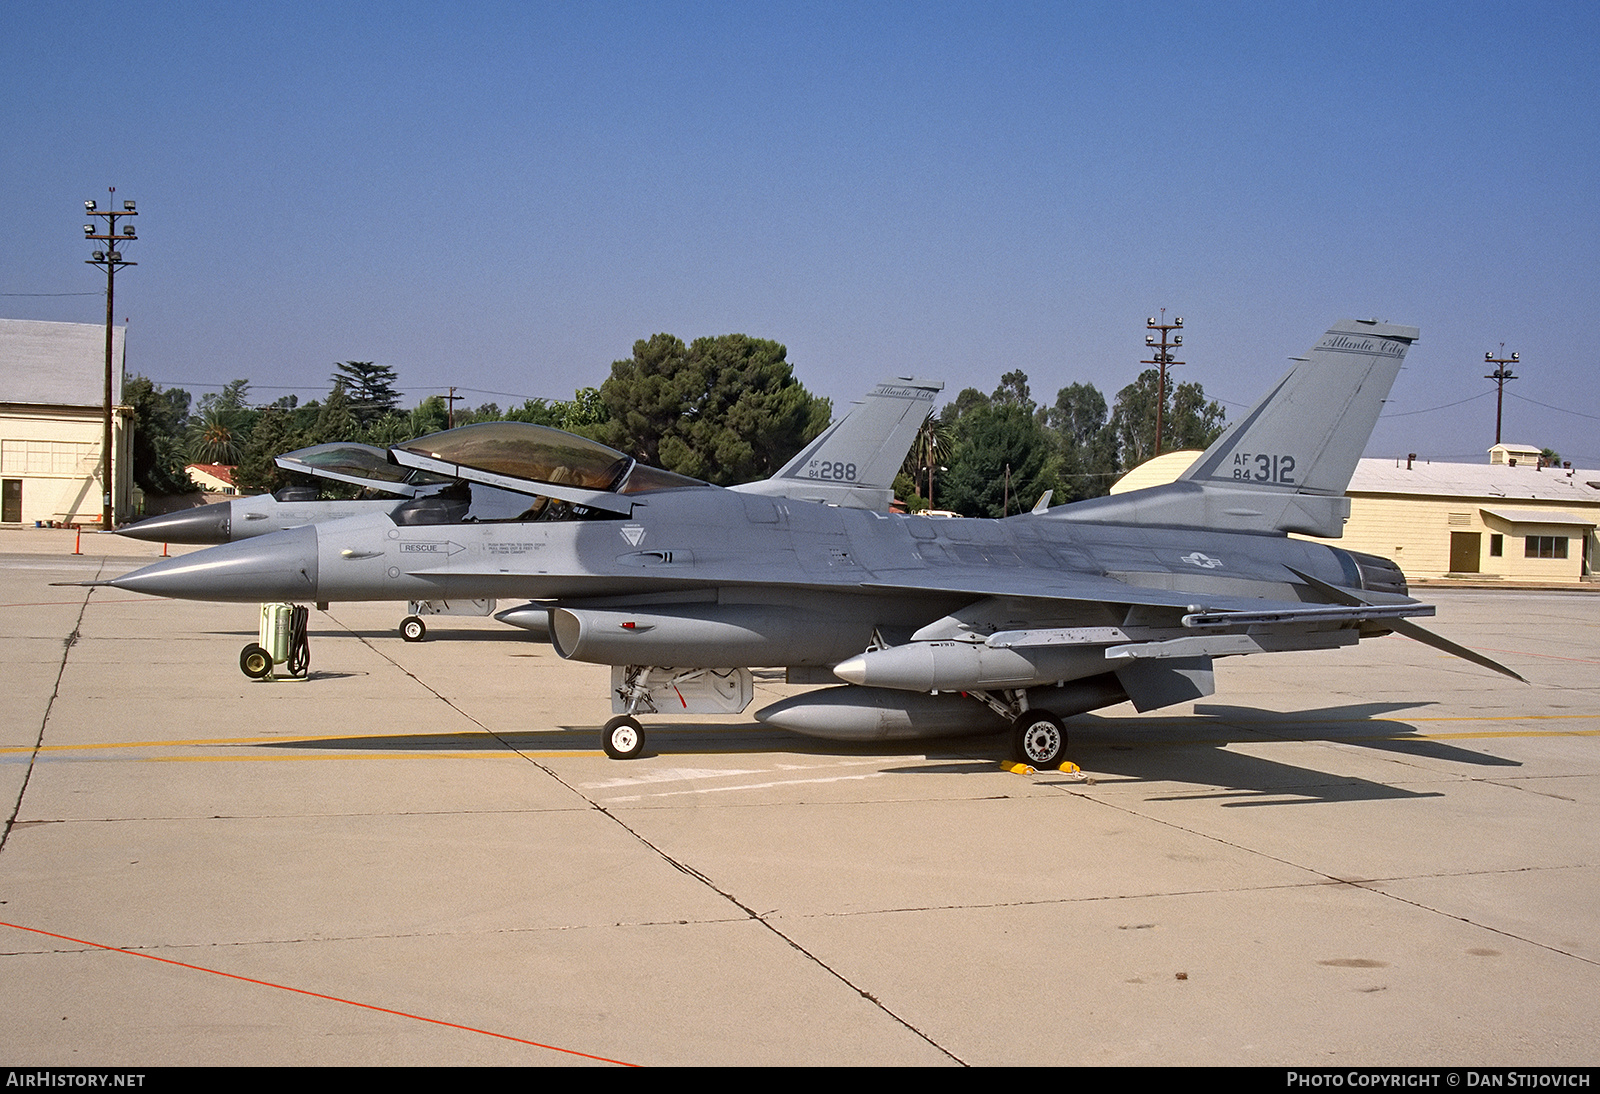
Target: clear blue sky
[{"x": 505, "y": 197}]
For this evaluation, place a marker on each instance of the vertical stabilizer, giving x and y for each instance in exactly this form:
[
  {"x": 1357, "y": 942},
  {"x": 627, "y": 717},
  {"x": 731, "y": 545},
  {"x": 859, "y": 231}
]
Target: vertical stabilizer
[
  {"x": 1285, "y": 465},
  {"x": 854, "y": 461},
  {"x": 1306, "y": 434}
]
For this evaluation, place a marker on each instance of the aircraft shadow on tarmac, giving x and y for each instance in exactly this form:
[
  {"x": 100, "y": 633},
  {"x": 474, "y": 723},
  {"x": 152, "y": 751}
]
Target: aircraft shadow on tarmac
[{"x": 1192, "y": 749}]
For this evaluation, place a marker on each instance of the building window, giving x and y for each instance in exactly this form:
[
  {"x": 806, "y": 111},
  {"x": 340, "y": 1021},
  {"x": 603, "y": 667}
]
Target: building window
[
  {"x": 1545, "y": 547},
  {"x": 18, "y": 457},
  {"x": 1497, "y": 545}
]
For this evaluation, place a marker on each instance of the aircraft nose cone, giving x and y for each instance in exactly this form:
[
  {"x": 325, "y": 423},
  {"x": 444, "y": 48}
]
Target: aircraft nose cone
[
  {"x": 203, "y": 524},
  {"x": 277, "y": 567}
]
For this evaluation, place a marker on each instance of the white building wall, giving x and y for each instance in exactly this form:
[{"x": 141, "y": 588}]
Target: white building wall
[{"x": 56, "y": 456}]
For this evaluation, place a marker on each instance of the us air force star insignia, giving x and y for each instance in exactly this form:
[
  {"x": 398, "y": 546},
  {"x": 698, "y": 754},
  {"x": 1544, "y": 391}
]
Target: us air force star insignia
[
  {"x": 633, "y": 533},
  {"x": 1195, "y": 558}
]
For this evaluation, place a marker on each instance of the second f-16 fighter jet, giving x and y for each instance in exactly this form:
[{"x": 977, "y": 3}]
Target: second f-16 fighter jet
[
  {"x": 924, "y": 626},
  {"x": 868, "y": 445}
]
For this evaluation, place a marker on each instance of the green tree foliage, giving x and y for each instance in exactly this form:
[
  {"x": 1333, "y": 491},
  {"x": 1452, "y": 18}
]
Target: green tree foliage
[
  {"x": 273, "y": 435},
  {"x": 370, "y": 389},
  {"x": 1003, "y": 462},
  {"x": 1088, "y": 449},
  {"x": 963, "y": 404},
  {"x": 337, "y": 419},
  {"x": 584, "y": 413},
  {"x": 1188, "y": 420},
  {"x": 725, "y": 409},
  {"x": 931, "y": 451},
  {"x": 159, "y": 419},
  {"x": 1013, "y": 390},
  {"x": 1081, "y": 444},
  {"x": 430, "y": 416},
  {"x": 392, "y": 428},
  {"x": 218, "y": 428}
]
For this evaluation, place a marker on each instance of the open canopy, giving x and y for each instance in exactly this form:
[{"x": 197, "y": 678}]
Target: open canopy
[
  {"x": 362, "y": 465},
  {"x": 537, "y": 460}
]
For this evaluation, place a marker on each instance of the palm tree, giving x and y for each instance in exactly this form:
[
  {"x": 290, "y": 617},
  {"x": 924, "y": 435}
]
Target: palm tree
[
  {"x": 933, "y": 445},
  {"x": 212, "y": 439}
]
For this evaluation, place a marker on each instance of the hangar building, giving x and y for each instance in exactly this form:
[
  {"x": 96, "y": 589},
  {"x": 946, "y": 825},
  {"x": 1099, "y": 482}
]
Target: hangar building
[{"x": 52, "y": 387}]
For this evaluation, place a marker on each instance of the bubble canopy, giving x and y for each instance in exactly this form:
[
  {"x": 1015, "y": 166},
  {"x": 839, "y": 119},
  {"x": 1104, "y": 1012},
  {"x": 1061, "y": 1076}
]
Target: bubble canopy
[
  {"x": 538, "y": 460},
  {"x": 361, "y": 464}
]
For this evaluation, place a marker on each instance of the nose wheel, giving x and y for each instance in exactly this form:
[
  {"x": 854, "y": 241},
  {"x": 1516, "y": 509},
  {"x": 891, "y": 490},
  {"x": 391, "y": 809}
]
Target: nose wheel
[
  {"x": 623, "y": 738},
  {"x": 412, "y": 629}
]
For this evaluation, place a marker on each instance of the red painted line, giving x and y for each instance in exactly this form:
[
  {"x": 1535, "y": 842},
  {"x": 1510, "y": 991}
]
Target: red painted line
[
  {"x": 317, "y": 995},
  {"x": 1546, "y": 656}
]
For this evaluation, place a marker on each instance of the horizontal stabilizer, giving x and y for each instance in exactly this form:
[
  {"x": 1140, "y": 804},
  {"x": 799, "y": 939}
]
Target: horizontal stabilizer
[
  {"x": 1439, "y": 642},
  {"x": 1409, "y": 629}
]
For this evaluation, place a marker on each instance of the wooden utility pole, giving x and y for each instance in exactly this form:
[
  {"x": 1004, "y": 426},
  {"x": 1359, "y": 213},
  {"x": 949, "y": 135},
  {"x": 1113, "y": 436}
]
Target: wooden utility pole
[
  {"x": 1500, "y": 375},
  {"x": 110, "y": 260},
  {"x": 1163, "y": 358}
]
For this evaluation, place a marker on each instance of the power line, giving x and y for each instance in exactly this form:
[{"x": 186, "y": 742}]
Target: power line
[
  {"x": 1431, "y": 409},
  {"x": 1564, "y": 410}
]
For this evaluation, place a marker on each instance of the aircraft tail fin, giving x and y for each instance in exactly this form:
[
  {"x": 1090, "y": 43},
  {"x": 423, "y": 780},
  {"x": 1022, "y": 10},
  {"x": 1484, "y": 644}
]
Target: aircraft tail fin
[
  {"x": 1285, "y": 465},
  {"x": 854, "y": 461}
]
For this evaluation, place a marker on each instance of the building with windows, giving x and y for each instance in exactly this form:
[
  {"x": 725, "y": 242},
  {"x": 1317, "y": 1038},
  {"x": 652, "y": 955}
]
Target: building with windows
[
  {"x": 212, "y": 478},
  {"x": 52, "y": 383},
  {"x": 1510, "y": 519}
]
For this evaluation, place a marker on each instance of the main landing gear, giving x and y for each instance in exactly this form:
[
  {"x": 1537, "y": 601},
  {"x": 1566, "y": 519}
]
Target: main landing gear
[{"x": 1038, "y": 739}]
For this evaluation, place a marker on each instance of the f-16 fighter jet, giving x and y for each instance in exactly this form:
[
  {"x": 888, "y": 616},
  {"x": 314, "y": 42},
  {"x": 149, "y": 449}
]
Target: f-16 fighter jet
[
  {"x": 852, "y": 463},
  {"x": 361, "y": 465},
  {"x": 925, "y": 626}
]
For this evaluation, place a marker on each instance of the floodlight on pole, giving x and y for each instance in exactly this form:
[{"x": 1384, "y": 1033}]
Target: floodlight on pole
[
  {"x": 110, "y": 261},
  {"x": 1500, "y": 376},
  {"x": 1163, "y": 358}
]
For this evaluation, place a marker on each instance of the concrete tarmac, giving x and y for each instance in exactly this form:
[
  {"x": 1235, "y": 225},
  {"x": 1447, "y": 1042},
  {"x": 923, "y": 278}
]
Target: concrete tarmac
[{"x": 1370, "y": 856}]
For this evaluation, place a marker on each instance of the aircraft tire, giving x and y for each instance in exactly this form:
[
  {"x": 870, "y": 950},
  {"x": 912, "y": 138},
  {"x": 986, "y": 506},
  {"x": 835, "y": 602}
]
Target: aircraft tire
[
  {"x": 623, "y": 738},
  {"x": 412, "y": 629},
  {"x": 255, "y": 662},
  {"x": 1039, "y": 740}
]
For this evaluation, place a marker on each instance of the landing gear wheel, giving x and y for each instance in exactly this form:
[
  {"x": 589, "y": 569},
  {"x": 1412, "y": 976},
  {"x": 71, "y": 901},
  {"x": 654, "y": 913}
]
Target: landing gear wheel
[
  {"x": 623, "y": 738},
  {"x": 1038, "y": 739},
  {"x": 412, "y": 629},
  {"x": 255, "y": 662}
]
